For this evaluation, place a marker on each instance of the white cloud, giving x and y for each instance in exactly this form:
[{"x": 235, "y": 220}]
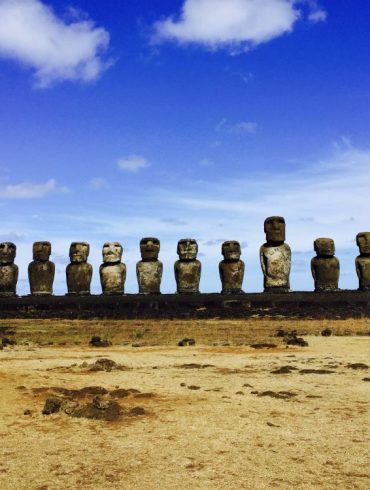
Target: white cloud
[
  {"x": 32, "y": 34},
  {"x": 235, "y": 24},
  {"x": 98, "y": 183},
  {"x": 133, "y": 163},
  {"x": 27, "y": 190},
  {"x": 242, "y": 127},
  {"x": 206, "y": 162}
]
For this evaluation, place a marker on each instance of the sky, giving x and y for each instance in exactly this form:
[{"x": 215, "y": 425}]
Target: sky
[{"x": 184, "y": 118}]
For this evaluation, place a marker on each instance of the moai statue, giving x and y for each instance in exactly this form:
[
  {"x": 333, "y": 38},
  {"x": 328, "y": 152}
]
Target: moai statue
[
  {"x": 275, "y": 256},
  {"x": 231, "y": 268},
  {"x": 363, "y": 260},
  {"x": 112, "y": 271},
  {"x": 188, "y": 268},
  {"x": 8, "y": 270},
  {"x": 149, "y": 270},
  {"x": 325, "y": 267},
  {"x": 41, "y": 271},
  {"x": 79, "y": 272}
]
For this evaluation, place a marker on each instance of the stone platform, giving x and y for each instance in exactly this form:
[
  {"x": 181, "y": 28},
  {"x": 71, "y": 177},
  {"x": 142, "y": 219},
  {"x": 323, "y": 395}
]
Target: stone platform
[{"x": 338, "y": 304}]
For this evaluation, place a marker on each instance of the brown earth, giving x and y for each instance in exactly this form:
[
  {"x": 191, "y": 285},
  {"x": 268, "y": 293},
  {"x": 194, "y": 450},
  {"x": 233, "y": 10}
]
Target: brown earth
[{"x": 201, "y": 417}]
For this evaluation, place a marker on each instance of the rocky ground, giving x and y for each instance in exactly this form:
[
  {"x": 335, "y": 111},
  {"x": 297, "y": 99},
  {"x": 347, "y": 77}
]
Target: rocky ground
[{"x": 232, "y": 411}]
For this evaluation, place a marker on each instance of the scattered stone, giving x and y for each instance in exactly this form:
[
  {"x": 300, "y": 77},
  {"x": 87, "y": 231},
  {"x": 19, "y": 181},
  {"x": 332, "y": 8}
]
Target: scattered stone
[
  {"x": 263, "y": 346},
  {"x": 270, "y": 424},
  {"x": 281, "y": 333},
  {"x": 313, "y": 396},
  {"x": 284, "y": 395},
  {"x": 193, "y": 387},
  {"x": 97, "y": 341},
  {"x": 247, "y": 385},
  {"x": 137, "y": 411},
  {"x": 6, "y": 341},
  {"x": 52, "y": 405},
  {"x": 239, "y": 393},
  {"x": 194, "y": 365},
  {"x": 326, "y": 332},
  {"x": 185, "y": 342},
  {"x": 284, "y": 370},
  {"x": 120, "y": 393},
  {"x": 297, "y": 341},
  {"x": 316, "y": 371},
  {"x": 27, "y": 412},
  {"x": 105, "y": 365},
  {"x": 365, "y": 379},
  {"x": 98, "y": 410},
  {"x": 182, "y": 384},
  {"x": 358, "y": 365}
]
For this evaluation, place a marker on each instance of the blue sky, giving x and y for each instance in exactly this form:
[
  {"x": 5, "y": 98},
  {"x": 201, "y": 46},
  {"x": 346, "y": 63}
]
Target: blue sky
[{"x": 184, "y": 118}]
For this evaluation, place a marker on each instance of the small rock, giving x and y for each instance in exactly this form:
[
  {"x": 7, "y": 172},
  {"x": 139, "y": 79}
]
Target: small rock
[
  {"x": 182, "y": 384},
  {"x": 326, "y": 332},
  {"x": 97, "y": 341},
  {"x": 5, "y": 341},
  {"x": 297, "y": 341},
  {"x": 52, "y": 405},
  {"x": 137, "y": 411},
  {"x": 27, "y": 412},
  {"x": 365, "y": 379},
  {"x": 358, "y": 365},
  {"x": 193, "y": 387},
  {"x": 316, "y": 371},
  {"x": 263, "y": 346},
  {"x": 185, "y": 342},
  {"x": 281, "y": 333},
  {"x": 284, "y": 370}
]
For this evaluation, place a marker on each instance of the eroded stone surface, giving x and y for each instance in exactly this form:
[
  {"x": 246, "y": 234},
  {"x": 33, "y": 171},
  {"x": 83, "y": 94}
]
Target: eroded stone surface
[
  {"x": 79, "y": 272},
  {"x": 112, "y": 271},
  {"x": 363, "y": 260},
  {"x": 8, "y": 270},
  {"x": 149, "y": 270},
  {"x": 41, "y": 271},
  {"x": 275, "y": 256},
  {"x": 325, "y": 267},
  {"x": 231, "y": 269},
  {"x": 187, "y": 268}
]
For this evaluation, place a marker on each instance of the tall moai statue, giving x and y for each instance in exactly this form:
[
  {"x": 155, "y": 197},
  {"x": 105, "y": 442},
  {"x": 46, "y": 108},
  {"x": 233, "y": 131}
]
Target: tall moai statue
[
  {"x": 149, "y": 269},
  {"x": 112, "y": 271},
  {"x": 187, "y": 268},
  {"x": 79, "y": 272},
  {"x": 363, "y": 260},
  {"x": 325, "y": 267},
  {"x": 41, "y": 271},
  {"x": 231, "y": 268},
  {"x": 8, "y": 270},
  {"x": 275, "y": 256}
]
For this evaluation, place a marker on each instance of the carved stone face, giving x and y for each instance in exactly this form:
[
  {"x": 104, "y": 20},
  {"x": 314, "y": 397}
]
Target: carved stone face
[
  {"x": 274, "y": 227},
  {"x": 78, "y": 252},
  {"x": 41, "y": 251},
  {"x": 112, "y": 252},
  {"x": 187, "y": 249},
  {"x": 324, "y": 246},
  {"x": 363, "y": 242},
  {"x": 149, "y": 248},
  {"x": 7, "y": 252},
  {"x": 231, "y": 250}
]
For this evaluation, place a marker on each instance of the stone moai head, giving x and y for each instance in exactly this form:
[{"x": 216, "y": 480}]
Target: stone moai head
[
  {"x": 7, "y": 253},
  {"x": 274, "y": 228},
  {"x": 363, "y": 242},
  {"x": 112, "y": 252},
  {"x": 149, "y": 248},
  {"x": 41, "y": 251},
  {"x": 187, "y": 249},
  {"x": 78, "y": 252},
  {"x": 231, "y": 250},
  {"x": 324, "y": 247}
]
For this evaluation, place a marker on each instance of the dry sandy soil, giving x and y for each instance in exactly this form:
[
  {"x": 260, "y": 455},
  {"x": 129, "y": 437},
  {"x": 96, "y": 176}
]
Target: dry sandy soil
[{"x": 200, "y": 417}]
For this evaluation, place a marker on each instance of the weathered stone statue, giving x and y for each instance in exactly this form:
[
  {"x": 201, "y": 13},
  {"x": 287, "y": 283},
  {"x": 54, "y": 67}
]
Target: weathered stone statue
[
  {"x": 363, "y": 260},
  {"x": 188, "y": 268},
  {"x": 112, "y": 271},
  {"x": 275, "y": 256},
  {"x": 231, "y": 268},
  {"x": 149, "y": 270},
  {"x": 8, "y": 270},
  {"x": 79, "y": 272},
  {"x": 325, "y": 267},
  {"x": 41, "y": 271}
]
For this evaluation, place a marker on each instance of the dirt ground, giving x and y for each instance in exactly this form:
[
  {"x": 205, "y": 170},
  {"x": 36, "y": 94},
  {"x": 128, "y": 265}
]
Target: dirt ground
[{"x": 210, "y": 416}]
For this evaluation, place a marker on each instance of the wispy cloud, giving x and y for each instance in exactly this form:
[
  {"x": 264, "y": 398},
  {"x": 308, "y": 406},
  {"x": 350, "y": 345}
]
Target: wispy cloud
[
  {"x": 28, "y": 190},
  {"x": 98, "y": 183},
  {"x": 234, "y": 24},
  {"x": 133, "y": 163},
  {"x": 31, "y": 33},
  {"x": 242, "y": 127}
]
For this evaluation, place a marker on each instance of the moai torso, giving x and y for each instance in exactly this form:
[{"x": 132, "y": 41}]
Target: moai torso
[
  {"x": 41, "y": 271},
  {"x": 149, "y": 270},
  {"x": 231, "y": 268},
  {"x": 188, "y": 268},
  {"x": 363, "y": 261},
  {"x": 275, "y": 256},
  {"x": 325, "y": 267},
  {"x": 79, "y": 272},
  {"x": 8, "y": 270},
  {"x": 112, "y": 271}
]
